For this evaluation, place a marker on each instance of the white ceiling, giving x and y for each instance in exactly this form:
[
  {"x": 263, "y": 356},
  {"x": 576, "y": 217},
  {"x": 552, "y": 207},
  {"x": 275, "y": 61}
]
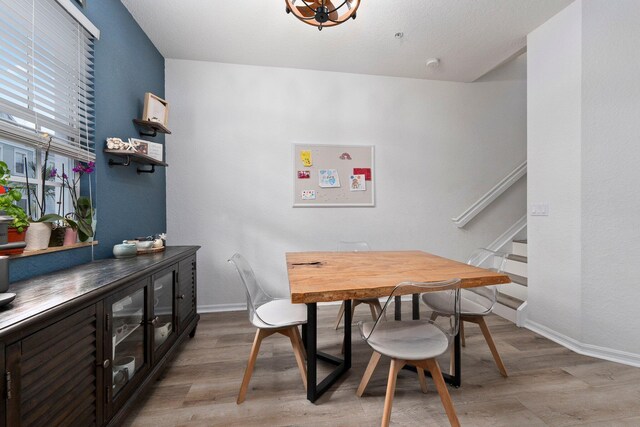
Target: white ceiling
[{"x": 470, "y": 37}]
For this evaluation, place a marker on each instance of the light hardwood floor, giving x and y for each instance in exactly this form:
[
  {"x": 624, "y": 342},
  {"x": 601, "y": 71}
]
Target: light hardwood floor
[{"x": 547, "y": 384}]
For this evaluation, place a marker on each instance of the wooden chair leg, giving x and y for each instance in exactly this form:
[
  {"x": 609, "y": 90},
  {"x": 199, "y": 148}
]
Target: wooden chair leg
[
  {"x": 395, "y": 367},
  {"x": 422, "y": 379},
  {"x": 378, "y": 306},
  {"x": 297, "y": 351},
  {"x": 296, "y": 331},
  {"x": 340, "y": 314},
  {"x": 492, "y": 346},
  {"x": 374, "y": 313},
  {"x": 260, "y": 335},
  {"x": 436, "y": 375},
  {"x": 373, "y": 362}
]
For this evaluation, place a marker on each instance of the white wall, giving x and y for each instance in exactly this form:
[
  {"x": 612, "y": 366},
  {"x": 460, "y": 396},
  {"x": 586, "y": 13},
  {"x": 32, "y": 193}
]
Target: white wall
[
  {"x": 583, "y": 156},
  {"x": 439, "y": 146},
  {"x": 611, "y": 174},
  {"x": 553, "y": 171}
]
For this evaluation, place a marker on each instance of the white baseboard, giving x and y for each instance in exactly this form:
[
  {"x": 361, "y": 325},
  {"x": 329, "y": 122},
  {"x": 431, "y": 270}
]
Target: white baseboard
[
  {"x": 598, "y": 352},
  {"x": 218, "y": 308}
]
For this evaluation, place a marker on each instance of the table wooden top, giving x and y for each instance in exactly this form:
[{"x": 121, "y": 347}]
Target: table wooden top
[{"x": 338, "y": 276}]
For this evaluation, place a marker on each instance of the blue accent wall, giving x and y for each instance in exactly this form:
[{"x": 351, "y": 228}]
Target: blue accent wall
[{"x": 128, "y": 205}]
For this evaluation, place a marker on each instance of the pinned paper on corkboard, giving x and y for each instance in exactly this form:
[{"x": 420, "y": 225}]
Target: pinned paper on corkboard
[
  {"x": 363, "y": 171},
  {"x": 305, "y": 156},
  {"x": 357, "y": 183}
]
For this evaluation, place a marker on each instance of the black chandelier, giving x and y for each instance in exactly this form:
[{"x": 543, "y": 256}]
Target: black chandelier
[{"x": 322, "y": 13}]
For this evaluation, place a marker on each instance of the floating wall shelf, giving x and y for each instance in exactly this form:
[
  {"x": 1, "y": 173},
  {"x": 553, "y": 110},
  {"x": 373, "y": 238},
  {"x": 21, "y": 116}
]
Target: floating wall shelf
[
  {"x": 154, "y": 126},
  {"x": 132, "y": 156}
]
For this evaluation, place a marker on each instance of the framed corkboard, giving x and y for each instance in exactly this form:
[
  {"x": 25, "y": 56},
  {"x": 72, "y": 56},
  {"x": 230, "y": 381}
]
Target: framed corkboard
[{"x": 333, "y": 175}]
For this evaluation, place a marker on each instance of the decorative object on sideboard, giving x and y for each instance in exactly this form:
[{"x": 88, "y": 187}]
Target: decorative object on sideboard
[
  {"x": 124, "y": 250},
  {"x": 322, "y": 13}
]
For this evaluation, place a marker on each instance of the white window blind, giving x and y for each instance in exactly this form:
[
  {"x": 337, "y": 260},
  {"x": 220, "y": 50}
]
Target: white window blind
[{"x": 46, "y": 78}]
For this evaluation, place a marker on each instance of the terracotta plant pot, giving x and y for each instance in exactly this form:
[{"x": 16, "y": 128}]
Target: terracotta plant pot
[
  {"x": 14, "y": 237},
  {"x": 38, "y": 236},
  {"x": 70, "y": 237}
]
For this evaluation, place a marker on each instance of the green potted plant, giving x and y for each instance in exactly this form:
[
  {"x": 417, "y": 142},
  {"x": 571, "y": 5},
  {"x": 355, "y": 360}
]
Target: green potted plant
[{"x": 8, "y": 198}]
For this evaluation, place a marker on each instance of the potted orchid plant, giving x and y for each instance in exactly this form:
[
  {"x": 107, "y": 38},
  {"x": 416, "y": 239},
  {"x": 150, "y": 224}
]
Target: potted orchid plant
[{"x": 79, "y": 221}]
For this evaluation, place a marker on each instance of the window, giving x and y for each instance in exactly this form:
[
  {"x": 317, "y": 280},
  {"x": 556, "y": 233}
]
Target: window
[
  {"x": 19, "y": 162},
  {"x": 46, "y": 86},
  {"x": 46, "y": 77}
]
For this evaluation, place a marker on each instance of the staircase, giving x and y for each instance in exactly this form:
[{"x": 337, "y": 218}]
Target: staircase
[{"x": 512, "y": 296}]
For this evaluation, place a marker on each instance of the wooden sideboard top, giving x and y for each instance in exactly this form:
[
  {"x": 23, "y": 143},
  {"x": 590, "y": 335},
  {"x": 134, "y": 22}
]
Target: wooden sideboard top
[{"x": 50, "y": 294}]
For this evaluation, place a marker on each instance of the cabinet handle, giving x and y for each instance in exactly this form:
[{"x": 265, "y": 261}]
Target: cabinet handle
[
  {"x": 181, "y": 296},
  {"x": 8, "y": 382},
  {"x": 154, "y": 321},
  {"x": 106, "y": 363}
]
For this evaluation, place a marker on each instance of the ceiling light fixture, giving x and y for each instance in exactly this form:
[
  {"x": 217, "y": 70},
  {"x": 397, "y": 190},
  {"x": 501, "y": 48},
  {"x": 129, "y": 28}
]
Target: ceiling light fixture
[{"x": 322, "y": 13}]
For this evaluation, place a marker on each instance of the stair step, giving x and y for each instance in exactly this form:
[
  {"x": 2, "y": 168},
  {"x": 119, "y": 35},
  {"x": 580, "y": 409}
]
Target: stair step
[
  {"x": 516, "y": 266},
  {"x": 514, "y": 290},
  {"x": 518, "y": 279},
  {"x": 509, "y": 301},
  {"x": 518, "y": 258},
  {"x": 519, "y": 247}
]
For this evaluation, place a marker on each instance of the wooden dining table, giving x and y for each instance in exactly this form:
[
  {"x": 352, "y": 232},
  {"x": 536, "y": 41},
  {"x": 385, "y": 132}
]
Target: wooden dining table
[{"x": 343, "y": 276}]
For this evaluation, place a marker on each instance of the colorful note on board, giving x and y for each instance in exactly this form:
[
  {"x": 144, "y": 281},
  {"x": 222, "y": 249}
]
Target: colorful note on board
[
  {"x": 308, "y": 194},
  {"x": 328, "y": 178},
  {"x": 305, "y": 156},
  {"x": 363, "y": 171},
  {"x": 357, "y": 183}
]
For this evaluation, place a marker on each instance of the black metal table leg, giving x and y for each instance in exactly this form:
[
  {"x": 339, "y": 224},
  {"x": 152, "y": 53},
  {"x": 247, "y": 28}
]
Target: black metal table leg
[
  {"x": 415, "y": 306},
  {"x": 315, "y": 390},
  {"x": 398, "y": 307}
]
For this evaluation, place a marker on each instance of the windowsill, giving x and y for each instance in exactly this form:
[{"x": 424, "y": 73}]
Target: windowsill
[{"x": 55, "y": 249}]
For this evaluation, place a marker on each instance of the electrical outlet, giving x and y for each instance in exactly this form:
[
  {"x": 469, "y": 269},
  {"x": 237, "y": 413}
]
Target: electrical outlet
[{"x": 540, "y": 209}]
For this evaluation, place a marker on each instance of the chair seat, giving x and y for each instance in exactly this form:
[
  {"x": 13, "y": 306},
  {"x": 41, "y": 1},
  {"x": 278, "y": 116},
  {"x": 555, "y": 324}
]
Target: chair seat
[
  {"x": 406, "y": 340},
  {"x": 280, "y": 313},
  {"x": 440, "y": 304}
]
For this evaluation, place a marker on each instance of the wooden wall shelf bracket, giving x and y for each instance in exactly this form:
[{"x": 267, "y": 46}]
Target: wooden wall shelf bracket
[
  {"x": 154, "y": 126},
  {"x": 139, "y": 158}
]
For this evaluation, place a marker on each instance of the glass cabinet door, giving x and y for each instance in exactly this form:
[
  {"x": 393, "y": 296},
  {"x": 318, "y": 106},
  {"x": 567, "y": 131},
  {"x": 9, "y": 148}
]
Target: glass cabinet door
[
  {"x": 128, "y": 349},
  {"x": 163, "y": 309}
]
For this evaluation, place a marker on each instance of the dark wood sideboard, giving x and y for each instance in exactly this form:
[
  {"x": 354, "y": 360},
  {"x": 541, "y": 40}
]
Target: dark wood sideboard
[{"x": 79, "y": 346}]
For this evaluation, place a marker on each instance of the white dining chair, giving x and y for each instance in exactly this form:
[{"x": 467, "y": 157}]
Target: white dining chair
[
  {"x": 269, "y": 315},
  {"x": 414, "y": 342},
  {"x": 477, "y": 303}
]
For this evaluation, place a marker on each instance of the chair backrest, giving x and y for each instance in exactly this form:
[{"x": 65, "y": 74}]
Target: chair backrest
[
  {"x": 447, "y": 319},
  {"x": 353, "y": 246},
  {"x": 256, "y": 295},
  {"x": 485, "y": 296}
]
